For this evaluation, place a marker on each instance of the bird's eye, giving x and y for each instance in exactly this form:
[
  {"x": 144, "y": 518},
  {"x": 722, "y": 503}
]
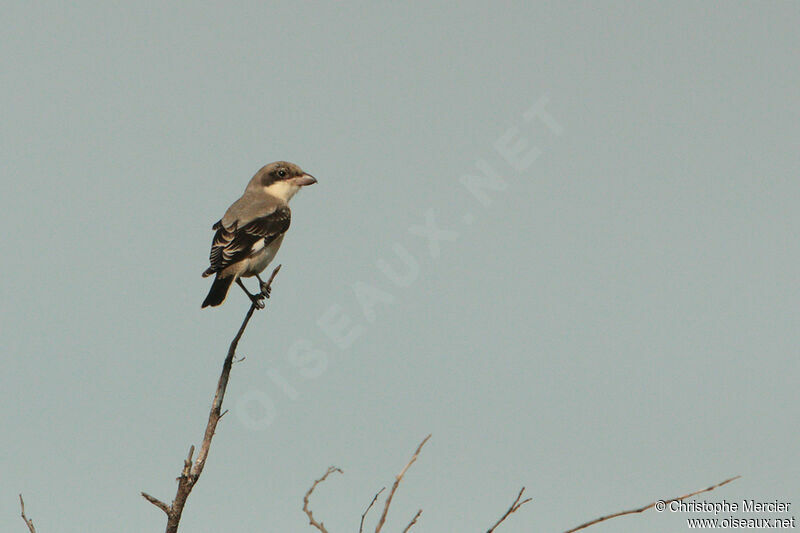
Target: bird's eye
[{"x": 282, "y": 173}]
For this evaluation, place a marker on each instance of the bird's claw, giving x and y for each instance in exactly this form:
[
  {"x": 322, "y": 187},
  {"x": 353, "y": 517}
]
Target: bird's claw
[
  {"x": 265, "y": 289},
  {"x": 258, "y": 301}
]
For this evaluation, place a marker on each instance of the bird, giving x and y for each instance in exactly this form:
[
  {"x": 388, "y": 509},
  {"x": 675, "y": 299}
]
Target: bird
[{"x": 248, "y": 236}]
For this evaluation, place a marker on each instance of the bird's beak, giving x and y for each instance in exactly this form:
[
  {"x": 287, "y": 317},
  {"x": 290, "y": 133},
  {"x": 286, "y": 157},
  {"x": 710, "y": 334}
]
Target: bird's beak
[{"x": 305, "y": 179}]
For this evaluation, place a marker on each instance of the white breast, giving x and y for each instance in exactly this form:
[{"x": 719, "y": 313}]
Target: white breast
[{"x": 261, "y": 257}]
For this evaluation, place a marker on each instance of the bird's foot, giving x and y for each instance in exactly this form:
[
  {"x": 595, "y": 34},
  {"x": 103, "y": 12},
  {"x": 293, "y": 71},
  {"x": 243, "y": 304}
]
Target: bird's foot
[
  {"x": 265, "y": 289},
  {"x": 258, "y": 301}
]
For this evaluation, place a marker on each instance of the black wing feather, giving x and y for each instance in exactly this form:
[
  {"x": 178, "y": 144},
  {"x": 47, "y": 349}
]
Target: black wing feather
[{"x": 231, "y": 245}]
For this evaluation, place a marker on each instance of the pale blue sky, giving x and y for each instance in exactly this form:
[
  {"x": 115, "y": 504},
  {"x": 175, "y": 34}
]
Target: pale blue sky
[{"x": 619, "y": 323}]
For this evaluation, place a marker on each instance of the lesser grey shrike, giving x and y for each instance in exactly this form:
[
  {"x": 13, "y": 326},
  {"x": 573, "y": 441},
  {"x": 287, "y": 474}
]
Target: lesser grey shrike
[{"x": 249, "y": 235}]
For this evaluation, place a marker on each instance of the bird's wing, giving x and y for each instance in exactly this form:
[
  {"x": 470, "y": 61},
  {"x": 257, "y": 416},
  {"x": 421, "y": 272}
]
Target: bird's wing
[{"x": 234, "y": 243}]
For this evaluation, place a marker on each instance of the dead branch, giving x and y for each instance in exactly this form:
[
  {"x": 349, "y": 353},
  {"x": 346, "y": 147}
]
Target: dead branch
[
  {"x": 397, "y": 480},
  {"x": 158, "y": 503},
  {"x": 649, "y": 505},
  {"x": 364, "y": 514},
  {"x": 191, "y": 471},
  {"x": 413, "y": 521},
  {"x": 514, "y": 507},
  {"x": 28, "y": 521},
  {"x": 311, "y": 521}
]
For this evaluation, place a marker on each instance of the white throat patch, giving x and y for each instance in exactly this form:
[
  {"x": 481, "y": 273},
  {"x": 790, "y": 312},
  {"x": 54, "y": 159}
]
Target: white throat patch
[{"x": 282, "y": 189}]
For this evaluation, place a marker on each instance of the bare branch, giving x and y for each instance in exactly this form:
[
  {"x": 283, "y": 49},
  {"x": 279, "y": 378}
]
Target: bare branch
[
  {"x": 155, "y": 501},
  {"x": 28, "y": 522},
  {"x": 397, "y": 480},
  {"x": 514, "y": 507},
  {"x": 413, "y": 521},
  {"x": 364, "y": 514},
  {"x": 191, "y": 471},
  {"x": 649, "y": 505},
  {"x": 311, "y": 521}
]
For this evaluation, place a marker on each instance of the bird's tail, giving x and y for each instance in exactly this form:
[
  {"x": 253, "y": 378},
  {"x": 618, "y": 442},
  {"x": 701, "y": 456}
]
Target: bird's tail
[{"x": 218, "y": 292}]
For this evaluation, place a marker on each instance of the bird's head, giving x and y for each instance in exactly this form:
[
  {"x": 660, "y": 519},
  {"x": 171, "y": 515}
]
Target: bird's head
[{"x": 282, "y": 179}]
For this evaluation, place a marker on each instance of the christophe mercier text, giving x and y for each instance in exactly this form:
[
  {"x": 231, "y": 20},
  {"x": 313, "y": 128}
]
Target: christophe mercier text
[{"x": 745, "y": 506}]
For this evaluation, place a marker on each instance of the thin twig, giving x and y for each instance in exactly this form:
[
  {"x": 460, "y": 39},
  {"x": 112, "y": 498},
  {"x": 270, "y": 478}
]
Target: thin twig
[
  {"x": 155, "y": 501},
  {"x": 413, "y": 521},
  {"x": 397, "y": 480},
  {"x": 311, "y": 521},
  {"x": 514, "y": 507},
  {"x": 191, "y": 471},
  {"x": 364, "y": 514},
  {"x": 649, "y": 505},
  {"x": 28, "y": 522}
]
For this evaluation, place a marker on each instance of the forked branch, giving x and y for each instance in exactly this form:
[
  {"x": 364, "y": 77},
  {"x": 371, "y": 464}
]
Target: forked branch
[
  {"x": 191, "y": 470},
  {"x": 306, "y": 509},
  {"x": 513, "y": 509}
]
